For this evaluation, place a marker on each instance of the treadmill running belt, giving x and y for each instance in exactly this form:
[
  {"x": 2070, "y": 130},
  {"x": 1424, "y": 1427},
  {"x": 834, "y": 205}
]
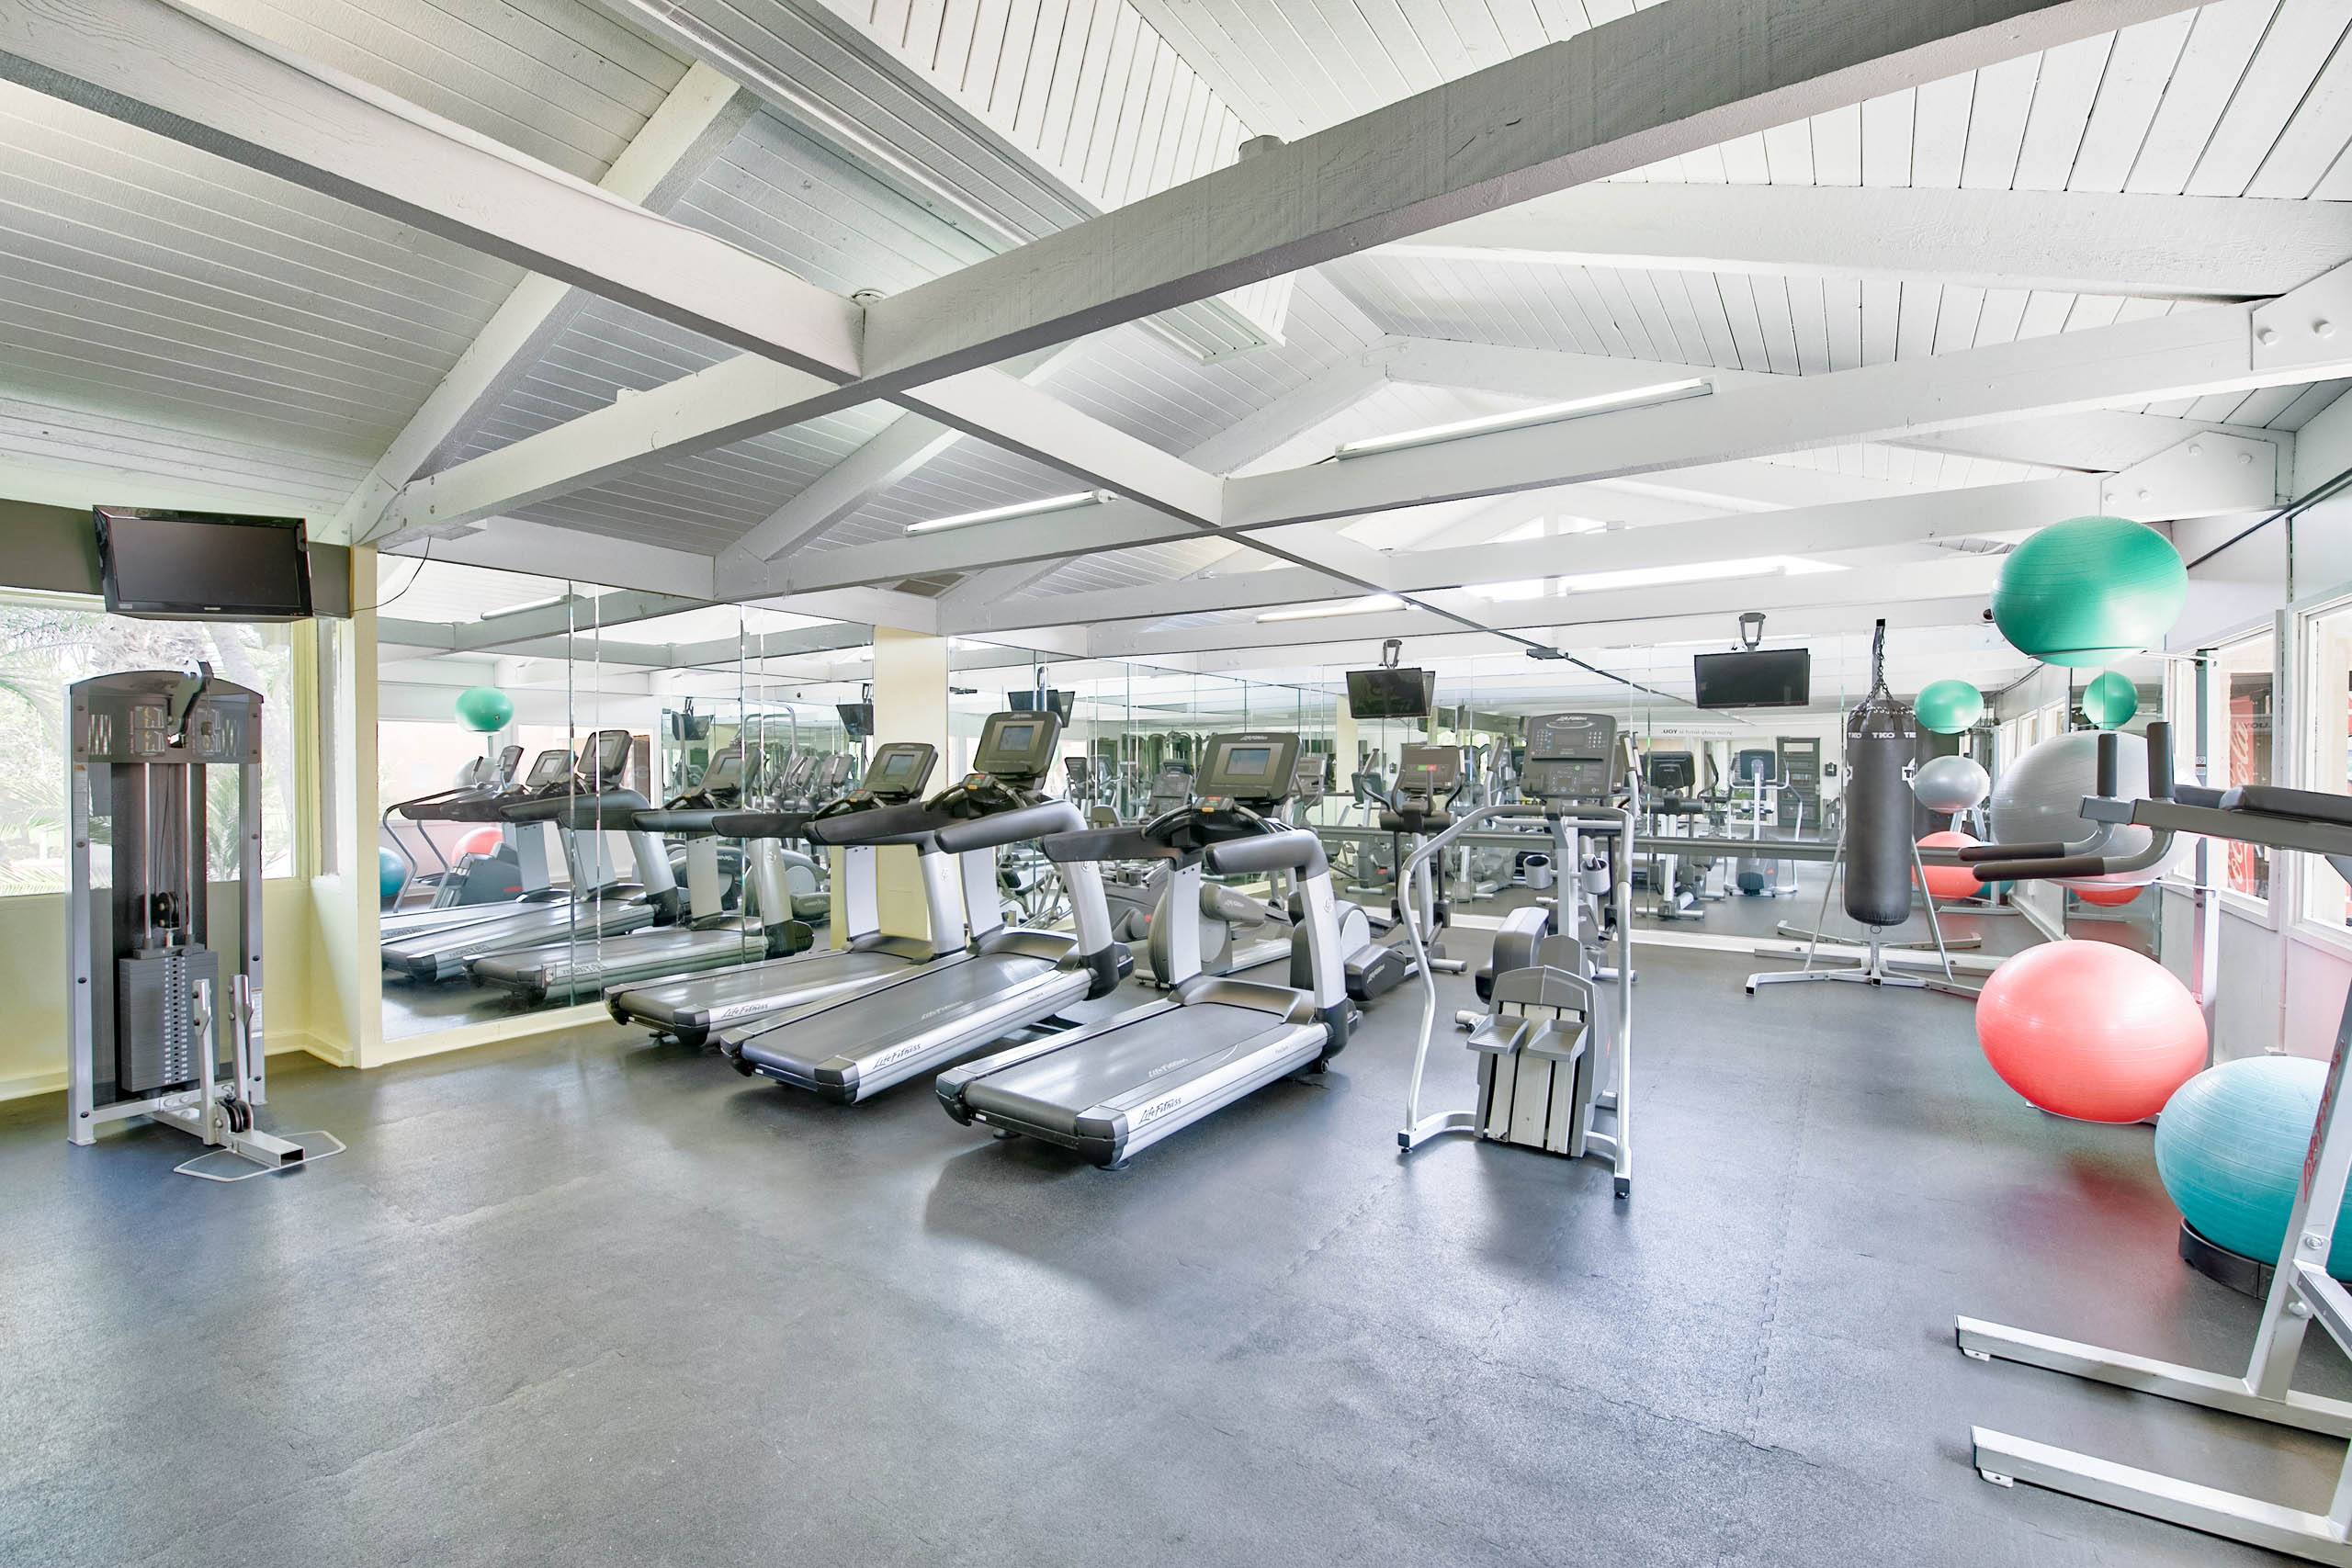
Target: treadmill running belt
[
  {"x": 711, "y": 1001},
  {"x": 1152, "y": 1055},
  {"x": 835, "y": 1046}
]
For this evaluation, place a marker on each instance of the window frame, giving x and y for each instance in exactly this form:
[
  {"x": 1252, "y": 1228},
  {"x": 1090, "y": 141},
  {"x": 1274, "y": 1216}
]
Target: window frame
[
  {"x": 2273, "y": 912},
  {"x": 2299, "y": 627},
  {"x": 300, "y": 791}
]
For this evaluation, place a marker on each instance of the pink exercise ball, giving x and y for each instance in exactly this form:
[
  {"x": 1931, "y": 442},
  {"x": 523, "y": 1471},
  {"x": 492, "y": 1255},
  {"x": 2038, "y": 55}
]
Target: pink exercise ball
[
  {"x": 1950, "y": 881},
  {"x": 2106, "y": 894},
  {"x": 483, "y": 841},
  {"x": 2090, "y": 1030}
]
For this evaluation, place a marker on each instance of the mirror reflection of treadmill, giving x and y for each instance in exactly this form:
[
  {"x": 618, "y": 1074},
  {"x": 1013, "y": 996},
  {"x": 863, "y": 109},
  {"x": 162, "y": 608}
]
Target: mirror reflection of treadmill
[
  {"x": 438, "y": 951},
  {"x": 708, "y": 935},
  {"x": 691, "y": 1010},
  {"x": 1114, "y": 1088}
]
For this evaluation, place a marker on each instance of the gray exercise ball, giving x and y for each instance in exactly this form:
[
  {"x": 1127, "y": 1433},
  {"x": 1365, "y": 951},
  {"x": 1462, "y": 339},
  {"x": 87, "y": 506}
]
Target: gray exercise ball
[
  {"x": 2040, "y": 797},
  {"x": 1948, "y": 785}
]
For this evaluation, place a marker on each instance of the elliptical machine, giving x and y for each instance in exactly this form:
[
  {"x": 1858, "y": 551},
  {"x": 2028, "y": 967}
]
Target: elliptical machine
[{"x": 1427, "y": 776}]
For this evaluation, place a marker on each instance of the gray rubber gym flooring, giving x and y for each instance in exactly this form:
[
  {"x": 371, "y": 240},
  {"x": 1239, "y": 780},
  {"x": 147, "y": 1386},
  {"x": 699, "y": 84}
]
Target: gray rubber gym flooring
[{"x": 604, "y": 1301}]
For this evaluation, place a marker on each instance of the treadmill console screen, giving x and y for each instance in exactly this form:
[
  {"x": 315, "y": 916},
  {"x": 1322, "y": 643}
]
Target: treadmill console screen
[
  {"x": 1258, "y": 768},
  {"x": 548, "y": 768},
  {"x": 725, "y": 772},
  {"x": 899, "y": 769},
  {"x": 604, "y": 754},
  {"x": 1019, "y": 745}
]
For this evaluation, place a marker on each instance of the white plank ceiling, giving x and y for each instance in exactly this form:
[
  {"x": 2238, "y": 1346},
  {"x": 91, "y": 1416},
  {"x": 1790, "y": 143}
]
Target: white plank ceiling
[{"x": 168, "y": 315}]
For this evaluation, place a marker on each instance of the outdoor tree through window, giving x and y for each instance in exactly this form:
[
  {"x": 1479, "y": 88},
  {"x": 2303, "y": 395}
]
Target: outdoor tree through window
[{"x": 50, "y": 641}]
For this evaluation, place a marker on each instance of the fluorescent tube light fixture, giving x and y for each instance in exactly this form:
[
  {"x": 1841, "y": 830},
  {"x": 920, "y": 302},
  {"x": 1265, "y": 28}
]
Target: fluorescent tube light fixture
[
  {"x": 1370, "y": 605},
  {"x": 1542, "y": 413},
  {"x": 1006, "y": 513},
  {"x": 554, "y": 602}
]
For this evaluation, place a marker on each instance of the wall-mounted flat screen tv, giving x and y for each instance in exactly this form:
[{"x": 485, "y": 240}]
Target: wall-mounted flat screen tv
[
  {"x": 191, "y": 566},
  {"x": 1768, "y": 678}
]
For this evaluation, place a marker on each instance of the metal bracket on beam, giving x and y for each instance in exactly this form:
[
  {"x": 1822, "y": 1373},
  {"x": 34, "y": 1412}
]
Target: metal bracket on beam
[
  {"x": 2204, "y": 476},
  {"x": 2306, "y": 325}
]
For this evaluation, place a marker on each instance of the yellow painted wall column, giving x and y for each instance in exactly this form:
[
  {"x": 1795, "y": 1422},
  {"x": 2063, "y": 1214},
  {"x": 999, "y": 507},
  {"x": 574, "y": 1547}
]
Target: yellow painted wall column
[
  {"x": 910, "y": 704},
  {"x": 1343, "y": 748},
  {"x": 346, "y": 1002}
]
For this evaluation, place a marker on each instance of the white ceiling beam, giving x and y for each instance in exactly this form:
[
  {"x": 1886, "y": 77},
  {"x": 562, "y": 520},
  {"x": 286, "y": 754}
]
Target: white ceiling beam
[
  {"x": 899, "y": 449},
  {"x": 1660, "y": 82},
  {"x": 1581, "y": 620},
  {"x": 1331, "y": 391},
  {"x": 2164, "y": 247},
  {"x": 2099, "y": 440},
  {"x": 2187, "y": 352},
  {"x": 1547, "y": 375},
  {"x": 516, "y": 545},
  {"x": 199, "y": 80},
  {"x": 153, "y": 65},
  {"x": 1647, "y": 631},
  {"x": 702, "y": 114},
  {"x": 1811, "y": 531}
]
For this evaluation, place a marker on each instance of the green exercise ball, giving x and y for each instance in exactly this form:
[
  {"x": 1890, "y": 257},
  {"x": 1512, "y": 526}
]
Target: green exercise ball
[
  {"x": 2230, "y": 1150},
  {"x": 2089, "y": 591},
  {"x": 1949, "y": 707},
  {"x": 484, "y": 709},
  {"x": 2111, "y": 700}
]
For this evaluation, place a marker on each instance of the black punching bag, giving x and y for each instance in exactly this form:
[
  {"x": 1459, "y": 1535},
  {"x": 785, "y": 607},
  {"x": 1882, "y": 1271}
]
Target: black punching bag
[{"x": 1879, "y": 735}]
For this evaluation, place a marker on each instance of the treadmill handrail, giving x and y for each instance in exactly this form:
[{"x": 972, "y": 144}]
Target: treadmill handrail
[
  {"x": 1045, "y": 818},
  {"x": 612, "y": 811},
  {"x": 913, "y": 823},
  {"x": 1107, "y": 844},
  {"x": 760, "y": 824},
  {"x": 1296, "y": 849}
]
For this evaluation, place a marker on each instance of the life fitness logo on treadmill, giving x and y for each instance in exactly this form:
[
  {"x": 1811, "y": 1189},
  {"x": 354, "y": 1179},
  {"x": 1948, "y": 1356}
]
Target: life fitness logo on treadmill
[{"x": 1158, "y": 1108}]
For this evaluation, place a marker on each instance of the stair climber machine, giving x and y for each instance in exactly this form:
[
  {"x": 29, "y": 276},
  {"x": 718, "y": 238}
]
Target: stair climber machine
[
  {"x": 1553, "y": 1048},
  {"x": 690, "y": 1009},
  {"x": 709, "y": 936},
  {"x": 482, "y": 804},
  {"x": 590, "y": 811},
  {"x": 1112, "y": 1089},
  {"x": 1006, "y": 981},
  {"x": 164, "y": 1008}
]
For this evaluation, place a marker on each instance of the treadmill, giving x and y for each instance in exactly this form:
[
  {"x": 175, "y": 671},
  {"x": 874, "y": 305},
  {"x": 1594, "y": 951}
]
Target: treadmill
[
  {"x": 481, "y": 803},
  {"x": 1115, "y": 1087},
  {"x": 585, "y": 806},
  {"x": 710, "y": 937},
  {"x": 688, "y": 1009},
  {"x": 851, "y": 1046}
]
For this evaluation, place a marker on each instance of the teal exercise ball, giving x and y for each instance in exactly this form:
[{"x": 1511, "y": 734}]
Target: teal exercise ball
[
  {"x": 1949, "y": 706},
  {"x": 2230, "y": 1150},
  {"x": 391, "y": 875},
  {"x": 2089, "y": 591},
  {"x": 484, "y": 709},
  {"x": 2109, "y": 701}
]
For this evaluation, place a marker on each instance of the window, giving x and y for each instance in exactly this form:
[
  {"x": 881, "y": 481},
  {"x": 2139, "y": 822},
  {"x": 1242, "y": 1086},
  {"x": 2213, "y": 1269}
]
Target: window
[
  {"x": 48, "y": 641},
  {"x": 2244, "y": 698},
  {"x": 2327, "y": 665}
]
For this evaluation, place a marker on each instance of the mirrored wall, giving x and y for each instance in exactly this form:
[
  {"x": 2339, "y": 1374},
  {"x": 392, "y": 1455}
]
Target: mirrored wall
[{"x": 553, "y": 759}]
